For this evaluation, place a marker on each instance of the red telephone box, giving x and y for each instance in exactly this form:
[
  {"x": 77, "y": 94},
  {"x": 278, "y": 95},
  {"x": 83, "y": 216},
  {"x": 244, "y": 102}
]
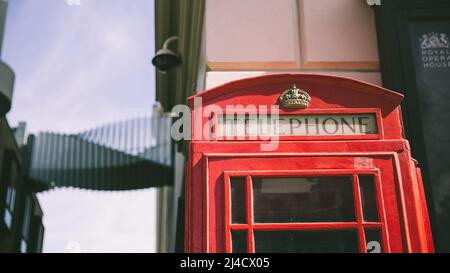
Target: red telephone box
[{"x": 329, "y": 170}]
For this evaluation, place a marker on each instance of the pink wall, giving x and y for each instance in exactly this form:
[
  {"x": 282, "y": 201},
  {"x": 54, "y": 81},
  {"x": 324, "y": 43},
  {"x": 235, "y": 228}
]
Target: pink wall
[
  {"x": 250, "y": 30},
  {"x": 337, "y": 31},
  {"x": 313, "y": 36}
]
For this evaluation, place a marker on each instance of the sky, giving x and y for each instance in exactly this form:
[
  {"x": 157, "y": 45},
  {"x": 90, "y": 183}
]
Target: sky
[{"x": 80, "y": 64}]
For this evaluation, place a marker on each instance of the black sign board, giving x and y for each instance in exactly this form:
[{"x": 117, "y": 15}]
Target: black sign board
[
  {"x": 414, "y": 45},
  {"x": 430, "y": 45}
]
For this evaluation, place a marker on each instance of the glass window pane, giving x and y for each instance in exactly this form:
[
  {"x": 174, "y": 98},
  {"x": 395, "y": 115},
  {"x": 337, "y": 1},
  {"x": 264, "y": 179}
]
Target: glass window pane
[
  {"x": 330, "y": 241},
  {"x": 26, "y": 218},
  {"x": 238, "y": 206},
  {"x": 239, "y": 241},
  {"x": 368, "y": 198},
  {"x": 7, "y": 218},
  {"x": 8, "y": 196},
  {"x": 40, "y": 239},
  {"x": 303, "y": 199},
  {"x": 14, "y": 172},
  {"x": 13, "y": 199},
  {"x": 373, "y": 241},
  {"x": 23, "y": 246}
]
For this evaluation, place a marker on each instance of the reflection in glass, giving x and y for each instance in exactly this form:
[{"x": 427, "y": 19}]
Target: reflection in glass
[
  {"x": 238, "y": 208},
  {"x": 368, "y": 198},
  {"x": 330, "y": 241},
  {"x": 7, "y": 218},
  {"x": 239, "y": 241},
  {"x": 303, "y": 199},
  {"x": 373, "y": 241}
]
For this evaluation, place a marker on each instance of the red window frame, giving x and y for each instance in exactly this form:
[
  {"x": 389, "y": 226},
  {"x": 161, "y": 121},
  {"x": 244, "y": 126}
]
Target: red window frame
[{"x": 360, "y": 225}]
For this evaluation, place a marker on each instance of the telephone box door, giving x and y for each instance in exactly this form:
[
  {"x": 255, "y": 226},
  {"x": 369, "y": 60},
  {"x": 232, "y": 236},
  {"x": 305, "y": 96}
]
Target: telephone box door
[{"x": 304, "y": 203}]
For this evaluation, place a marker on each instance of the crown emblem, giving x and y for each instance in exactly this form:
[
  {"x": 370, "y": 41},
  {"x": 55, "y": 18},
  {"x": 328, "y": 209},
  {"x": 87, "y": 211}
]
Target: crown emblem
[
  {"x": 294, "y": 98},
  {"x": 434, "y": 40}
]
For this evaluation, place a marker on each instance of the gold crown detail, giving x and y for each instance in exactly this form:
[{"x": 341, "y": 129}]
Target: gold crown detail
[{"x": 294, "y": 98}]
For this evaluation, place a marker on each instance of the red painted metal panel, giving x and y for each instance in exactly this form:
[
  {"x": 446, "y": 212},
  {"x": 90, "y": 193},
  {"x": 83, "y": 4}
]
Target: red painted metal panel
[
  {"x": 426, "y": 231},
  {"x": 403, "y": 218},
  {"x": 328, "y": 94},
  {"x": 359, "y": 214}
]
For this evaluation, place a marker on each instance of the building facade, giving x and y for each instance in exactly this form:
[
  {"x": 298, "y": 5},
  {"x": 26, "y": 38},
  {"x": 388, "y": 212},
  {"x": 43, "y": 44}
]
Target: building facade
[
  {"x": 400, "y": 45},
  {"x": 21, "y": 228}
]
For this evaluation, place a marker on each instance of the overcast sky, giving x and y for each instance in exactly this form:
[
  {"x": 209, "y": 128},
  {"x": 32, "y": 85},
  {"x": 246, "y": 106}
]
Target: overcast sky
[{"x": 80, "y": 64}]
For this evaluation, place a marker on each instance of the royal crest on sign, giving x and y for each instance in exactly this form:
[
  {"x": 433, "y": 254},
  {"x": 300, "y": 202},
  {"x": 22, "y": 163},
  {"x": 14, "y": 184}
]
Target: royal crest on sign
[{"x": 434, "y": 40}]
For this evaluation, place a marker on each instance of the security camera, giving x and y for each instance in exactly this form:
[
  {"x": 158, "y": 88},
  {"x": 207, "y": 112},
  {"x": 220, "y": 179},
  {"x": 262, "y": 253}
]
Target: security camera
[{"x": 165, "y": 59}]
